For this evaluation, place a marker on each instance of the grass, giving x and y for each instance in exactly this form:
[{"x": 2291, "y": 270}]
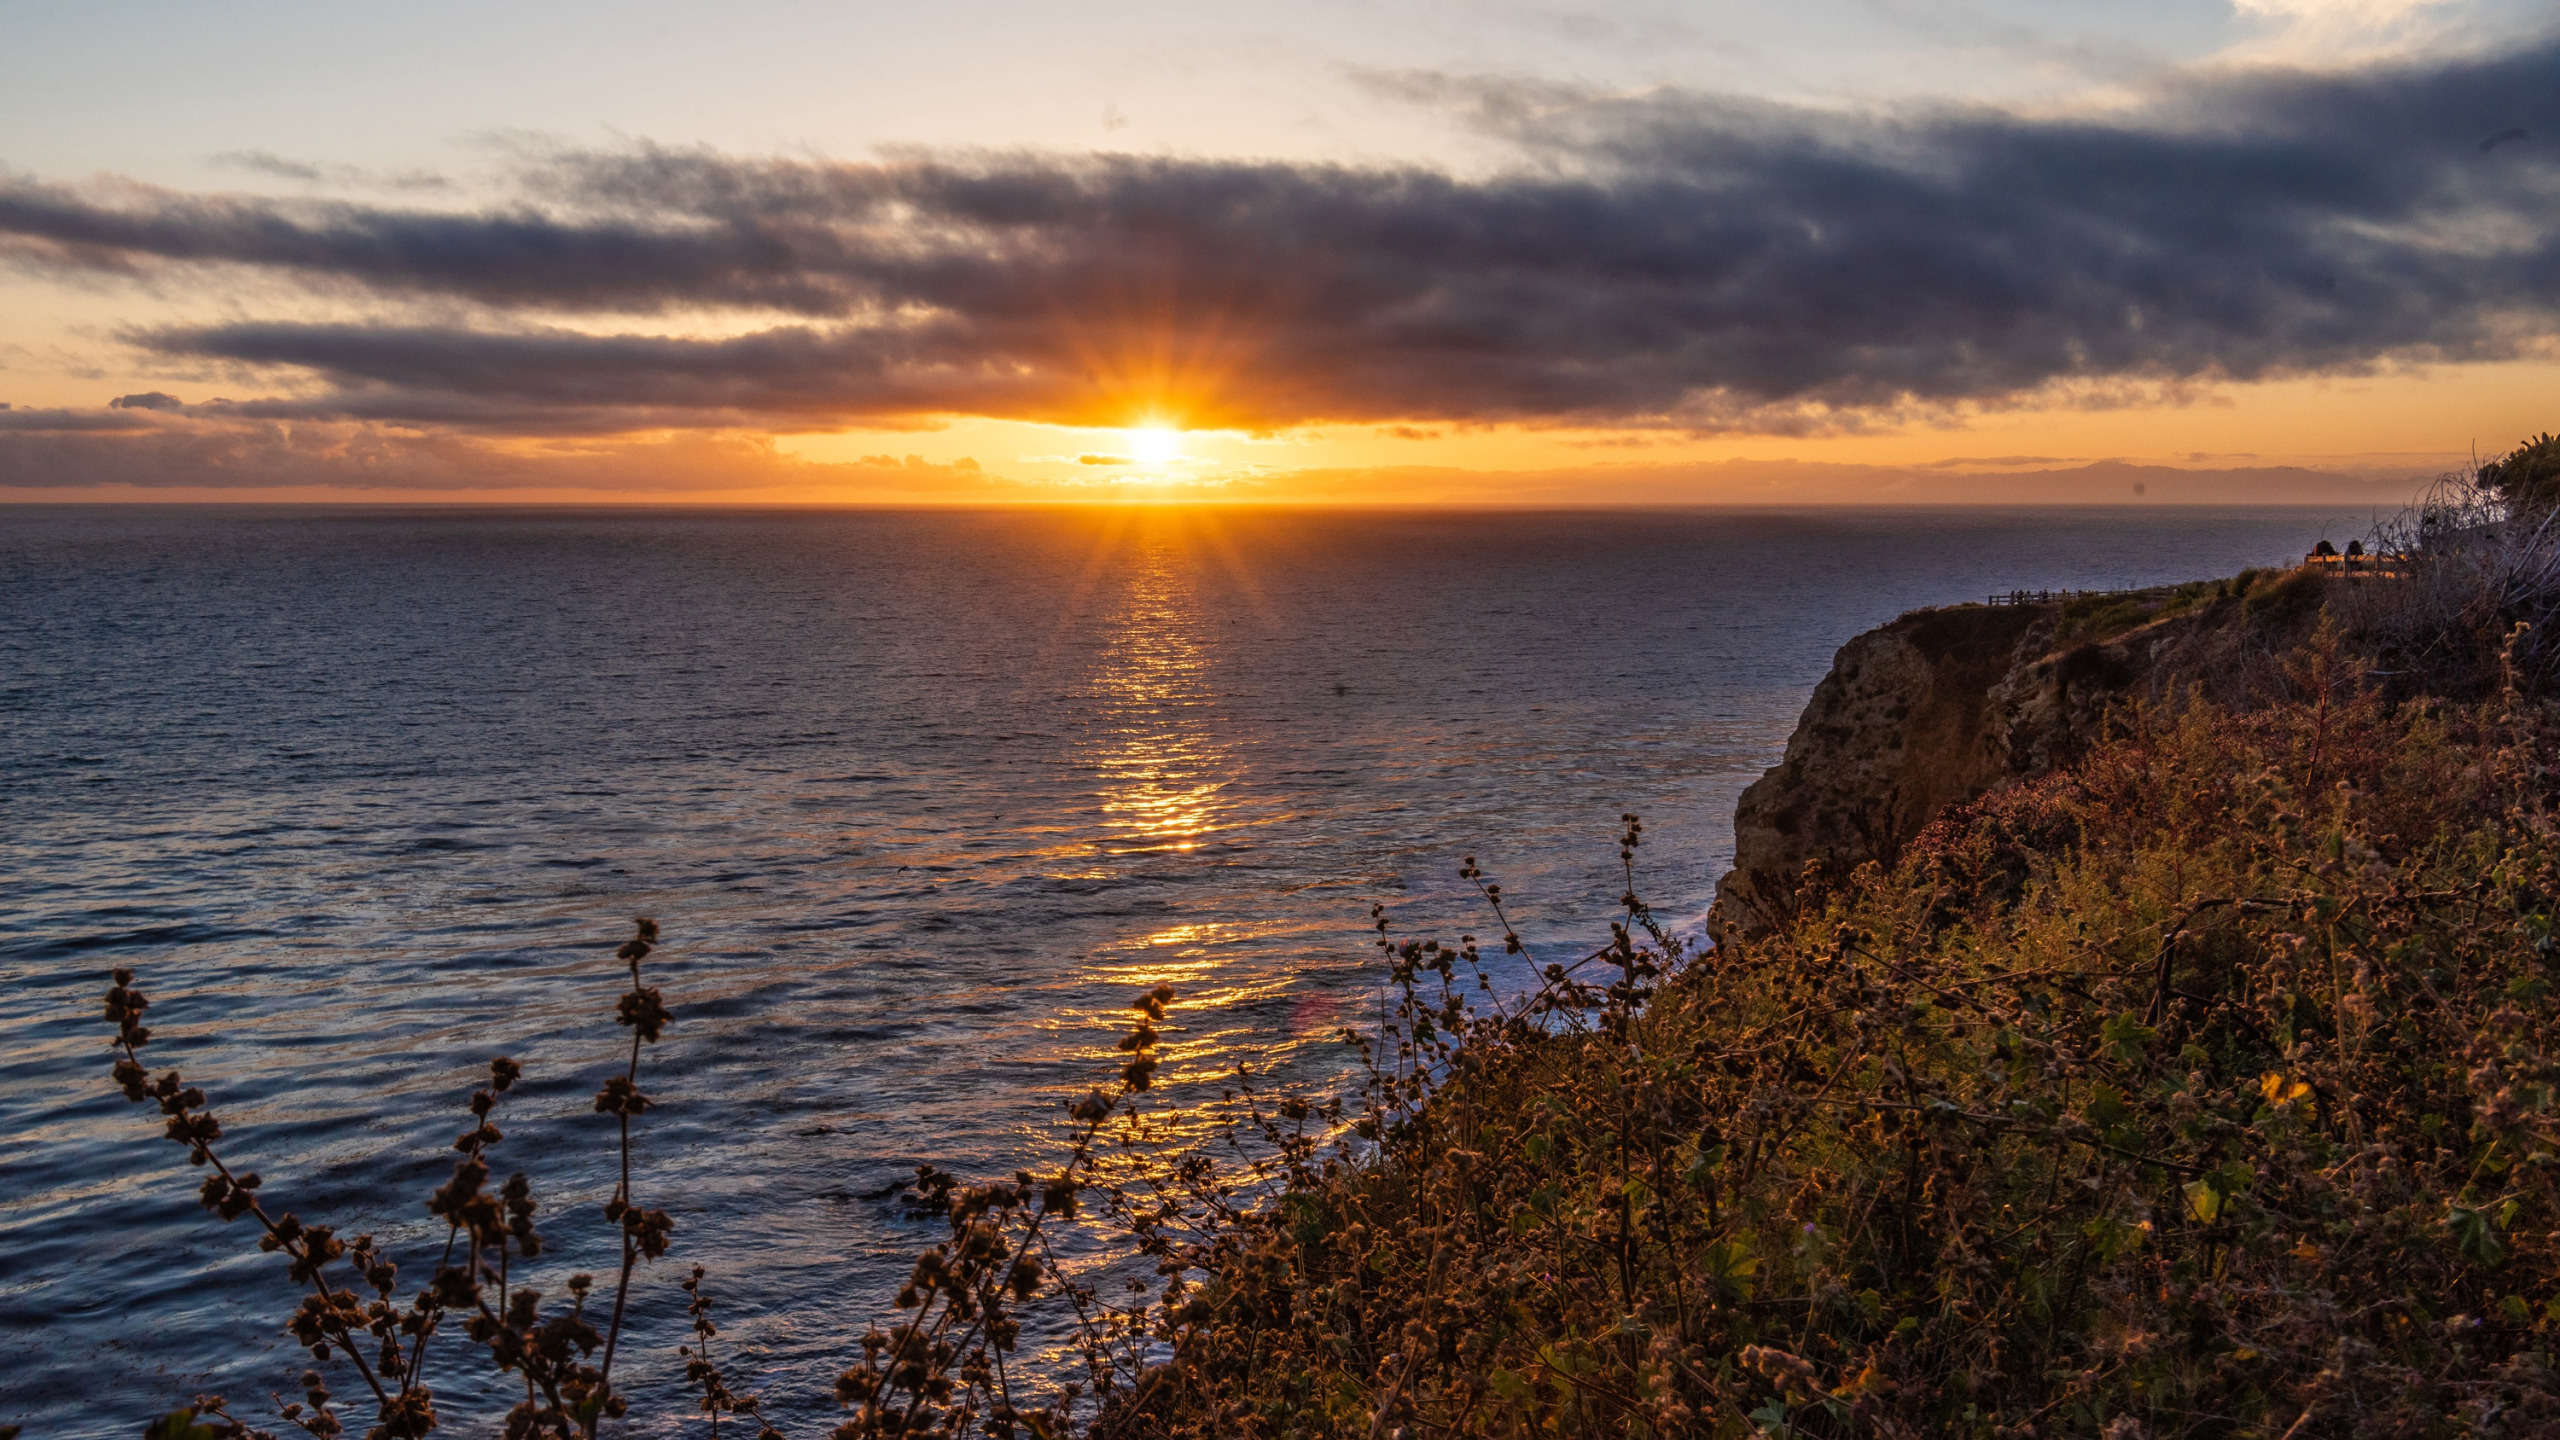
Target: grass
[{"x": 2094, "y": 619}]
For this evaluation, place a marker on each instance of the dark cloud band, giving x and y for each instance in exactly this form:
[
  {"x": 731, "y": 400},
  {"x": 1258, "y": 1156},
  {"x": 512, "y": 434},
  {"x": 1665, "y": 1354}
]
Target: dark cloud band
[{"x": 1671, "y": 259}]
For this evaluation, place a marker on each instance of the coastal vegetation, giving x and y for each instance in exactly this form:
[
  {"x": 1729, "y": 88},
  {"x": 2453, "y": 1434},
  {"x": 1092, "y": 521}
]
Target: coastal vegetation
[
  {"x": 2203, "y": 1088},
  {"x": 2204, "y": 1083}
]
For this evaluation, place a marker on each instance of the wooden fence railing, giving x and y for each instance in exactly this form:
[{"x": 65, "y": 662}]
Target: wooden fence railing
[
  {"x": 2336, "y": 567},
  {"x": 2052, "y": 597},
  {"x": 2380, "y": 567}
]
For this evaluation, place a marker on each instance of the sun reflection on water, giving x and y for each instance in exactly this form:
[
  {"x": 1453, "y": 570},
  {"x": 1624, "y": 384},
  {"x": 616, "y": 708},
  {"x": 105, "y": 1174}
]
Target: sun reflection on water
[
  {"x": 1166, "y": 595},
  {"x": 1163, "y": 766}
]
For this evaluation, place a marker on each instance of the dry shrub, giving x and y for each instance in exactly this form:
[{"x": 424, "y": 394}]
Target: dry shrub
[
  {"x": 2466, "y": 568},
  {"x": 941, "y": 1369},
  {"x": 480, "y": 1283},
  {"x": 2207, "y": 1089}
]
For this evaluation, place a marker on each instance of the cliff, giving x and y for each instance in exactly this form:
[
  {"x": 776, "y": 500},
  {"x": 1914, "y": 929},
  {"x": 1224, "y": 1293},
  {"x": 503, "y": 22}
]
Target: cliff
[
  {"x": 2218, "y": 1036},
  {"x": 1944, "y": 705}
]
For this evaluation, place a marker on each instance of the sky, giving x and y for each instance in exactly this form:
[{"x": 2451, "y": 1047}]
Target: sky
[{"x": 1414, "y": 251}]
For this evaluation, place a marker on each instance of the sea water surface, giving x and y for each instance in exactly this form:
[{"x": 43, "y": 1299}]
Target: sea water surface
[{"x": 921, "y": 798}]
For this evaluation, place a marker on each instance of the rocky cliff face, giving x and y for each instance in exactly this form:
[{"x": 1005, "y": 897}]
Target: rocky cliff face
[{"x": 1942, "y": 706}]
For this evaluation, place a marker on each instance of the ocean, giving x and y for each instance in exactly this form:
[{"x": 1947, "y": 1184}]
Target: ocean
[{"x": 921, "y": 799}]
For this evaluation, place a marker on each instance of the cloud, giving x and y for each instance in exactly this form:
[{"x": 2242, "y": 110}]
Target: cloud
[
  {"x": 206, "y": 452},
  {"x": 64, "y": 420},
  {"x": 71, "y": 450},
  {"x": 1674, "y": 260},
  {"x": 147, "y": 400},
  {"x": 2337, "y": 12},
  {"x": 1799, "y": 482},
  {"x": 2346, "y": 30},
  {"x": 267, "y": 162}
]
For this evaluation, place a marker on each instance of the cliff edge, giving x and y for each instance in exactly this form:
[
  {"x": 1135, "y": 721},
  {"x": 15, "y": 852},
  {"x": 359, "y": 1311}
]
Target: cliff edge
[{"x": 1944, "y": 705}]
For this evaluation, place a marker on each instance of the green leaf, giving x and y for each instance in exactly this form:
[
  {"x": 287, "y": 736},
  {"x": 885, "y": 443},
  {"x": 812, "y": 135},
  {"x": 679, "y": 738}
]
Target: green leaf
[
  {"x": 2112, "y": 1238},
  {"x": 1702, "y": 1171},
  {"x": 2204, "y": 1203},
  {"x": 1731, "y": 1267},
  {"x": 2473, "y": 1235},
  {"x": 179, "y": 1424},
  {"x": 2126, "y": 1038},
  {"x": 2106, "y": 1108}
]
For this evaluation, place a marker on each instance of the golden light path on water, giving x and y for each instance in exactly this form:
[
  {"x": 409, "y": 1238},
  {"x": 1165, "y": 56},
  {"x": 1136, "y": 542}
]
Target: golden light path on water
[{"x": 1168, "y": 773}]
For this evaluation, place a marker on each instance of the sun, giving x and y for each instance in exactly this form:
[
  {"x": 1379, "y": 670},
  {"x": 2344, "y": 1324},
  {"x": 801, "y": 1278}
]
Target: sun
[{"x": 1155, "y": 444}]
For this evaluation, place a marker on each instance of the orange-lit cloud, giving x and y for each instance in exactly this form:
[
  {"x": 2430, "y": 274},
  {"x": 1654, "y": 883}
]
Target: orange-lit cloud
[
  {"x": 66, "y": 452},
  {"x": 144, "y": 453}
]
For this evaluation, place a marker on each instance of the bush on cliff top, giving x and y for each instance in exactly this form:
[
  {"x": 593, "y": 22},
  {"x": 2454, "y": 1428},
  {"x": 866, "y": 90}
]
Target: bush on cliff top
[{"x": 2527, "y": 477}]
